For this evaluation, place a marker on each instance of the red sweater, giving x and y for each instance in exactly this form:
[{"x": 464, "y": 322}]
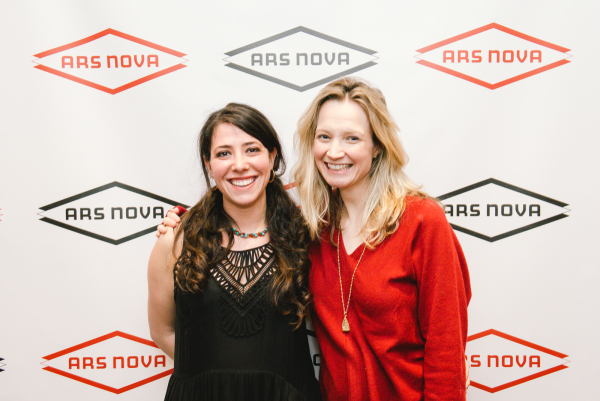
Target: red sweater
[{"x": 407, "y": 314}]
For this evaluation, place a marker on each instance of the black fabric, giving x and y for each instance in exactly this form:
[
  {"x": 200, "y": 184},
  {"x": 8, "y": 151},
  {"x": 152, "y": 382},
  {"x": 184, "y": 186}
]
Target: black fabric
[
  {"x": 243, "y": 276},
  {"x": 231, "y": 343}
]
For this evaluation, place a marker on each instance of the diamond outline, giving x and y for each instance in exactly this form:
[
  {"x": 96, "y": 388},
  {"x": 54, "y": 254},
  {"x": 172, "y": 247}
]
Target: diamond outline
[
  {"x": 94, "y": 383},
  {"x": 506, "y": 81},
  {"x": 291, "y": 32},
  {"x": 100, "y": 189},
  {"x": 98, "y": 35},
  {"x": 512, "y": 188},
  {"x": 522, "y": 342}
]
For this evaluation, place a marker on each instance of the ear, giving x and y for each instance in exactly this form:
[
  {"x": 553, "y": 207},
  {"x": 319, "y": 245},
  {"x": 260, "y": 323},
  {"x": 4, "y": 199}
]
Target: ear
[
  {"x": 272, "y": 156},
  {"x": 207, "y": 164},
  {"x": 376, "y": 151}
]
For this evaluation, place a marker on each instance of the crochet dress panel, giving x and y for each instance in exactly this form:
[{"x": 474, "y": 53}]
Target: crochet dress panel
[
  {"x": 232, "y": 344},
  {"x": 243, "y": 276}
]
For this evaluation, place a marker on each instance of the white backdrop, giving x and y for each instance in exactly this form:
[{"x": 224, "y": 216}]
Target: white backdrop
[{"x": 80, "y": 143}]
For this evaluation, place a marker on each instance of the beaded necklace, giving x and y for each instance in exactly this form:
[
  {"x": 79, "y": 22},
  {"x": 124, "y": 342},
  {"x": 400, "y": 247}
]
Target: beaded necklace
[{"x": 251, "y": 235}]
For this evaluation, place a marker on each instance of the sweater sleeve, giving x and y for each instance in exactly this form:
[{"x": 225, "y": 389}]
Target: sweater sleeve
[{"x": 444, "y": 293}]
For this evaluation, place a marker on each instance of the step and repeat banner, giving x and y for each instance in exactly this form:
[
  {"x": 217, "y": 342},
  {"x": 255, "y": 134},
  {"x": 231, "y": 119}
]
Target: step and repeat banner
[{"x": 101, "y": 104}]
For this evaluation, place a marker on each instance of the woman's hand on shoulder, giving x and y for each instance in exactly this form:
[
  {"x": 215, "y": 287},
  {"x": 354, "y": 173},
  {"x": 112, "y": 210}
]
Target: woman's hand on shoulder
[{"x": 171, "y": 220}]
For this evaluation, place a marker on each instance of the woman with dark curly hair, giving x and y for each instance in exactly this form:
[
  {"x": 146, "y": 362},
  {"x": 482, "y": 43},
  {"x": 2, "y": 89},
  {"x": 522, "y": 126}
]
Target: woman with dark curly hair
[{"x": 228, "y": 290}]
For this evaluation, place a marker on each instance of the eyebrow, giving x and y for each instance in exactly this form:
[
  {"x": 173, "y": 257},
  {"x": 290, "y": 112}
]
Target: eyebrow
[
  {"x": 345, "y": 131},
  {"x": 230, "y": 147}
]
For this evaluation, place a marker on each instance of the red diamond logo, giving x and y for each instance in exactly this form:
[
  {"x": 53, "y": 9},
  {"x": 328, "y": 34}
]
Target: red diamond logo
[
  {"x": 110, "y": 61},
  {"x": 500, "y": 361},
  {"x": 493, "y": 56},
  {"x": 117, "y": 362}
]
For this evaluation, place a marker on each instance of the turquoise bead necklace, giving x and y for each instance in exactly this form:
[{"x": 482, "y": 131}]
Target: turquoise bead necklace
[{"x": 249, "y": 235}]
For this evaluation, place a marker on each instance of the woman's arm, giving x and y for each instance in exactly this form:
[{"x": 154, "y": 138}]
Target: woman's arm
[
  {"x": 444, "y": 293},
  {"x": 161, "y": 303}
]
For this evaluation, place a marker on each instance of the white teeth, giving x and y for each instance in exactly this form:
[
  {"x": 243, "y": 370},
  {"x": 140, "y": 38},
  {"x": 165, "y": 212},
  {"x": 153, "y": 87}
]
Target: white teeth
[
  {"x": 242, "y": 183},
  {"x": 338, "y": 167}
]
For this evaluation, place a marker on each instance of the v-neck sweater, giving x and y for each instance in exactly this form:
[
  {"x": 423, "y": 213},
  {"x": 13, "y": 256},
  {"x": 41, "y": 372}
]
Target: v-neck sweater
[{"x": 407, "y": 313}]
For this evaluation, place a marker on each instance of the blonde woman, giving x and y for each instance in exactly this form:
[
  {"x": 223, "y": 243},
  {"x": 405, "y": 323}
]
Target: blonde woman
[
  {"x": 388, "y": 276},
  {"x": 389, "y": 280}
]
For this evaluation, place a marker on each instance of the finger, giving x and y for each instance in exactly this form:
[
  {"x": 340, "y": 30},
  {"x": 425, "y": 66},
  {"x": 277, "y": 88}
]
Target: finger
[
  {"x": 167, "y": 221},
  {"x": 173, "y": 216}
]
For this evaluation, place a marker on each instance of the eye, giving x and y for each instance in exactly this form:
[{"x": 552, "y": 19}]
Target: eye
[
  {"x": 222, "y": 153},
  {"x": 322, "y": 137},
  {"x": 253, "y": 150},
  {"x": 353, "y": 138}
]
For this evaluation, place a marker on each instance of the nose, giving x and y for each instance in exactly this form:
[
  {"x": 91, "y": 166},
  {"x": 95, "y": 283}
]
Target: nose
[
  {"x": 335, "y": 150},
  {"x": 239, "y": 162}
]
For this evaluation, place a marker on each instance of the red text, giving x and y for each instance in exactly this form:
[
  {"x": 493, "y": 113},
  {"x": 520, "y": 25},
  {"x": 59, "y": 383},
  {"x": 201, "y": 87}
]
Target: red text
[
  {"x": 497, "y": 56},
  {"x": 124, "y": 61},
  {"x": 119, "y": 362},
  {"x": 507, "y": 361}
]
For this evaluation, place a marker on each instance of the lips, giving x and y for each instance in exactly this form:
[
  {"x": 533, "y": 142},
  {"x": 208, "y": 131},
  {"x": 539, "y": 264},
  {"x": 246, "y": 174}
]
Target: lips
[
  {"x": 337, "y": 167},
  {"x": 242, "y": 182}
]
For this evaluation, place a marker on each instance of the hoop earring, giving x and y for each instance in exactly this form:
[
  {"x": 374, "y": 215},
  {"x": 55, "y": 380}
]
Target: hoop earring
[{"x": 271, "y": 179}]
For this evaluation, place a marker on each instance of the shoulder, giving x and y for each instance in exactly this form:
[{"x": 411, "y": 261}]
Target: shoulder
[
  {"x": 166, "y": 242},
  {"x": 162, "y": 254},
  {"x": 322, "y": 243},
  {"x": 424, "y": 212}
]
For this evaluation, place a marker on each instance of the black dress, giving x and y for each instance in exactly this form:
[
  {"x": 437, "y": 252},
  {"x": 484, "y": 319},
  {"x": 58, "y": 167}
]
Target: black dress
[{"x": 230, "y": 342}]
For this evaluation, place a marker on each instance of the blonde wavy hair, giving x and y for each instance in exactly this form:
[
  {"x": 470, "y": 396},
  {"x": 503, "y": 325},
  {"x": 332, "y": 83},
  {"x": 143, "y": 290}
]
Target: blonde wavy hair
[{"x": 385, "y": 201}]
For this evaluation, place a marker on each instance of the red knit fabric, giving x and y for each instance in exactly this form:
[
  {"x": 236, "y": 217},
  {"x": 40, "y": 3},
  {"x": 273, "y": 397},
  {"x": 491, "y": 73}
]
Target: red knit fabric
[{"x": 407, "y": 314}]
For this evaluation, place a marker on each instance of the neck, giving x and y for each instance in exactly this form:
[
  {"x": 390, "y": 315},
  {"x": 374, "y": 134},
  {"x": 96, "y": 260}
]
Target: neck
[
  {"x": 354, "y": 201},
  {"x": 250, "y": 218}
]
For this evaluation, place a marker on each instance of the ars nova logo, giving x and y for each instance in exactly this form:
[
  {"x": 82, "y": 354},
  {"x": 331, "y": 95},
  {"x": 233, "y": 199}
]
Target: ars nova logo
[
  {"x": 500, "y": 361},
  {"x": 116, "y": 362},
  {"x": 2, "y": 365},
  {"x": 493, "y": 56},
  {"x": 492, "y": 210},
  {"x": 113, "y": 213},
  {"x": 300, "y": 58},
  {"x": 110, "y": 61}
]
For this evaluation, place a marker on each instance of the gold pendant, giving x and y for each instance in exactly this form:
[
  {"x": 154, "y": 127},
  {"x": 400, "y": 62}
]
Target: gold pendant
[{"x": 345, "y": 325}]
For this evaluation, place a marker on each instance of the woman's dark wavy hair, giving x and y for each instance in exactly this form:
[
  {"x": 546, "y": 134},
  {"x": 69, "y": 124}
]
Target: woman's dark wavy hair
[{"x": 204, "y": 224}]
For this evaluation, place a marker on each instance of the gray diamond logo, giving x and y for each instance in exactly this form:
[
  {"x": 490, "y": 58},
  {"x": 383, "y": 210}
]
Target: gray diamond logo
[{"x": 300, "y": 58}]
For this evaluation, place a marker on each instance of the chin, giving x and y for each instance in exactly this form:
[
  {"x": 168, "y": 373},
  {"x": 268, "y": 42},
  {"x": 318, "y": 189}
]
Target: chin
[
  {"x": 243, "y": 199},
  {"x": 335, "y": 181}
]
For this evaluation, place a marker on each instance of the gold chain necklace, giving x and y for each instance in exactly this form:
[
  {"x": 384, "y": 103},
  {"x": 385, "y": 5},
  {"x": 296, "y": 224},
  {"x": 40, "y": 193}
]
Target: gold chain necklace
[{"x": 345, "y": 325}]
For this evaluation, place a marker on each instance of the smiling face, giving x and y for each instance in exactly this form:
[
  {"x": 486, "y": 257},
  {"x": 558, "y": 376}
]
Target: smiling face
[
  {"x": 343, "y": 147},
  {"x": 241, "y": 167}
]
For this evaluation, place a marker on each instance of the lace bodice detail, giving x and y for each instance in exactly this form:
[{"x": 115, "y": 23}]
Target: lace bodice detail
[
  {"x": 242, "y": 277},
  {"x": 231, "y": 343}
]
